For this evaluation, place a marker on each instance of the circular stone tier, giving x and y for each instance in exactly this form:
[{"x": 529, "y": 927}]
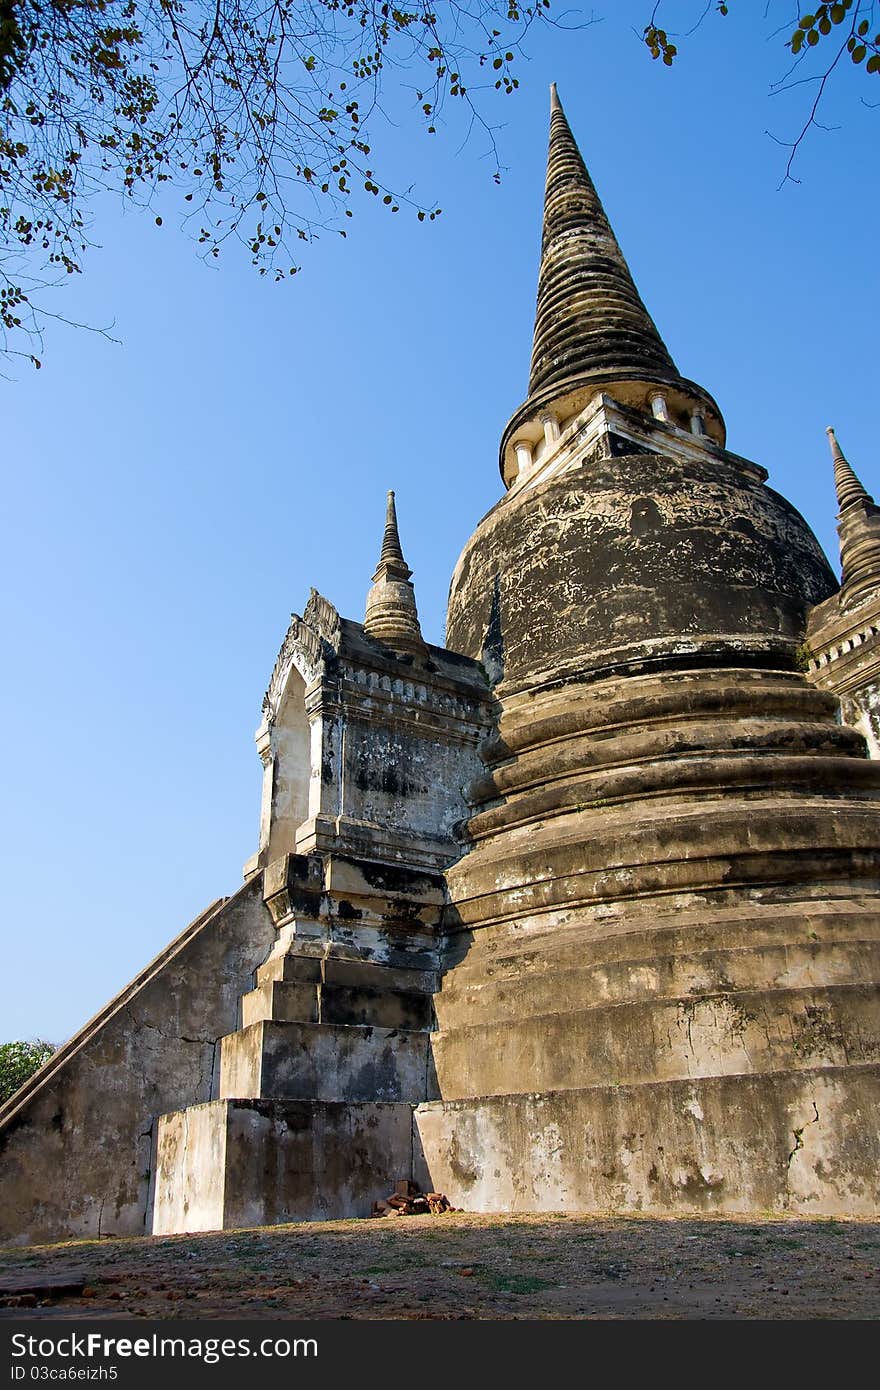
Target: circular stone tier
[
  {"x": 663, "y": 953},
  {"x": 663, "y": 940},
  {"x": 627, "y": 563}
]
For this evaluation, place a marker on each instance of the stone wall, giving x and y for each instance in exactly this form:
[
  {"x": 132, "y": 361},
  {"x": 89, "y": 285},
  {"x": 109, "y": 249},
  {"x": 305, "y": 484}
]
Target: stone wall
[{"x": 76, "y": 1142}]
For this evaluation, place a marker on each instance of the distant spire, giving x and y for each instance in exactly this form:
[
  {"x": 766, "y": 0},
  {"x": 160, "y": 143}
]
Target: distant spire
[
  {"x": 858, "y": 526},
  {"x": 391, "y": 540},
  {"x": 849, "y": 489},
  {"x": 392, "y": 617}
]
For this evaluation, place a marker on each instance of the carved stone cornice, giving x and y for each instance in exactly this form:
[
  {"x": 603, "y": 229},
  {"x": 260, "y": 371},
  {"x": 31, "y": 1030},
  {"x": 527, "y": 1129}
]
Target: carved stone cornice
[
  {"x": 309, "y": 642},
  {"x": 321, "y": 616},
  {"x": 293, "y": 884}
]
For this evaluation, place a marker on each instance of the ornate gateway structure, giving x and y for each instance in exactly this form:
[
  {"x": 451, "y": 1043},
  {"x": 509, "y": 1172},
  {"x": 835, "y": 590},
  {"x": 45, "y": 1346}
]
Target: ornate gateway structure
[{"x": 580, "y": 913}]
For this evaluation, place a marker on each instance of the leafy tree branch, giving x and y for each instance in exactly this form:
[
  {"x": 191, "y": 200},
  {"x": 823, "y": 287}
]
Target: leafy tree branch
[
  {"x": 829, "y": 31},
  {"x": 258, "y": 116},
  {"x": 257, "y": 112}
]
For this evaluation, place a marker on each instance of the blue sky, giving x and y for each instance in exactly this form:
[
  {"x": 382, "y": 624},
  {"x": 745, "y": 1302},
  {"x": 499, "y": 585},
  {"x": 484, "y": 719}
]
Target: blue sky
[{"x": 170, "y": 500}]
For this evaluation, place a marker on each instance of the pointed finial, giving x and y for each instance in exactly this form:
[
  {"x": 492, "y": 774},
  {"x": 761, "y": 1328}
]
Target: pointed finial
[
  {"x": 391, "y": 540},
  {"x": 858, "y": 526},
  {"x": 392, "y": 617},
  {"x": 849, "y": 490},
  {"x": 589, "y": 315},
  {"x": 592, "y": 330}
]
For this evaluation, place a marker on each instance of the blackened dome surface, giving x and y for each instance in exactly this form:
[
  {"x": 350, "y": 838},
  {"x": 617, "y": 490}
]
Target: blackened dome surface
[{"x": 633, "y": 562}]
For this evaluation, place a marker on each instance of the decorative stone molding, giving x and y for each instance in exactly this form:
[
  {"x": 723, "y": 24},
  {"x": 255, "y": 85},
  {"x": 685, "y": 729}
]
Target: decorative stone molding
[
  {"x": 310, "y": 640},
  {"x": 323, "y": 618}
]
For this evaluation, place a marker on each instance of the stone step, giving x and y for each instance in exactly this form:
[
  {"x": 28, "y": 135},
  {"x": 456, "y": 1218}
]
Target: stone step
[
  {"x": 239, "y": 1163},
  {"x": 783, "y": 1142},
  {"x": 610, "y": 708},
  {"x": 324, "y": 1061},
  {"x": 551, "y": 985},
  {"x": 728, "y": 1033},
  {"x": 708, "y": 777},
  {"x": 688, "y": 847},
  {"x": 293, "y": 1002},
  {"x": 662, "y": 751},
  {"x": 313, "y": 967},
  {"x": 633, "y": 934},
  {"x": 280, "y": 1003}
]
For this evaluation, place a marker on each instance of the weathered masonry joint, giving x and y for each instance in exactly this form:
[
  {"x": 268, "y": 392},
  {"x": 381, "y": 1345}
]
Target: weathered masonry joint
[{"x": 580, "y": 912}]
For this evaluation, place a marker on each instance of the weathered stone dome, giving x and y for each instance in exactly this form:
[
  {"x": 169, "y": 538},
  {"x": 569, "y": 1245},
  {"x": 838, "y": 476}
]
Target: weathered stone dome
[{"x": 628, "y": 562}]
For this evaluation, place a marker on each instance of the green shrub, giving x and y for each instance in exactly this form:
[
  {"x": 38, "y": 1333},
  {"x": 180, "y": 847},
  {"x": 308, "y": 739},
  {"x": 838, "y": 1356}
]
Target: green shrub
[{"x": 18, "y": 1061}]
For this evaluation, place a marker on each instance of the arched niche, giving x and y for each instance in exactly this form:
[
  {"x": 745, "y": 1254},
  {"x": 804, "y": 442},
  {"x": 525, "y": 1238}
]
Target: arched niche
[{"x": 286, "y": 753}]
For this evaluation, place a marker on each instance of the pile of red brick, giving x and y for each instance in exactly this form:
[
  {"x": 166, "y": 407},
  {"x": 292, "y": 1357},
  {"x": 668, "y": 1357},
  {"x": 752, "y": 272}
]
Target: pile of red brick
[{"x": 407, "y": 1200}]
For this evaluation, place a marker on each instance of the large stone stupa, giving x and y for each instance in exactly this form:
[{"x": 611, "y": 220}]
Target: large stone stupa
[{"x": 664, "y": 993}]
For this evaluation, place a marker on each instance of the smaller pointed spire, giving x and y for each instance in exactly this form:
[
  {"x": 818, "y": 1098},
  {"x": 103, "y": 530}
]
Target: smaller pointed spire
[
  {"x": 555, "y": 103},
  {"x": 392, "y": 617},
  {"x": 391, "y": 540},
  {"x": 849, "y": 489},
  {"x": 858, "y": 526}
]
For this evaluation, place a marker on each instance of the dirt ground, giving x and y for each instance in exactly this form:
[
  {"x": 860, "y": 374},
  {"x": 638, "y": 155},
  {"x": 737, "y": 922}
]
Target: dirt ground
[{"x": 462, "y": 1266}]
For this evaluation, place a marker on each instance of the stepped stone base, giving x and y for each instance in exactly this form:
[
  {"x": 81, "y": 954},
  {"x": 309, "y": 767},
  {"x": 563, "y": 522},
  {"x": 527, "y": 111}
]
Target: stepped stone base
[
  {"x": 238, "y": 1163},
  {"x": 669, "y": 1057},
  {"x": 325, "y": 1061},
  {"x": 317, "y": 988},
  {"x": 805, "y": 1142}
]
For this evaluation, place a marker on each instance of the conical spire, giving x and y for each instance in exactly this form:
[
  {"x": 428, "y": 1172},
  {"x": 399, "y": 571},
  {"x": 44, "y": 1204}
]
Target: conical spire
[
  {"x": 592, "y": 331},
  {"x": 392, "y": 617},
  {"x": 849, "y": 490},
  {"x": 858, "y": 526},
  {"x": 391, "y": 540},
  {"x": 589, "y": 316}
]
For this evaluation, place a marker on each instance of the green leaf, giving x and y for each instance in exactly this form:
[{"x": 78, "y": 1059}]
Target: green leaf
[{"x": 858, "y": 54}]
